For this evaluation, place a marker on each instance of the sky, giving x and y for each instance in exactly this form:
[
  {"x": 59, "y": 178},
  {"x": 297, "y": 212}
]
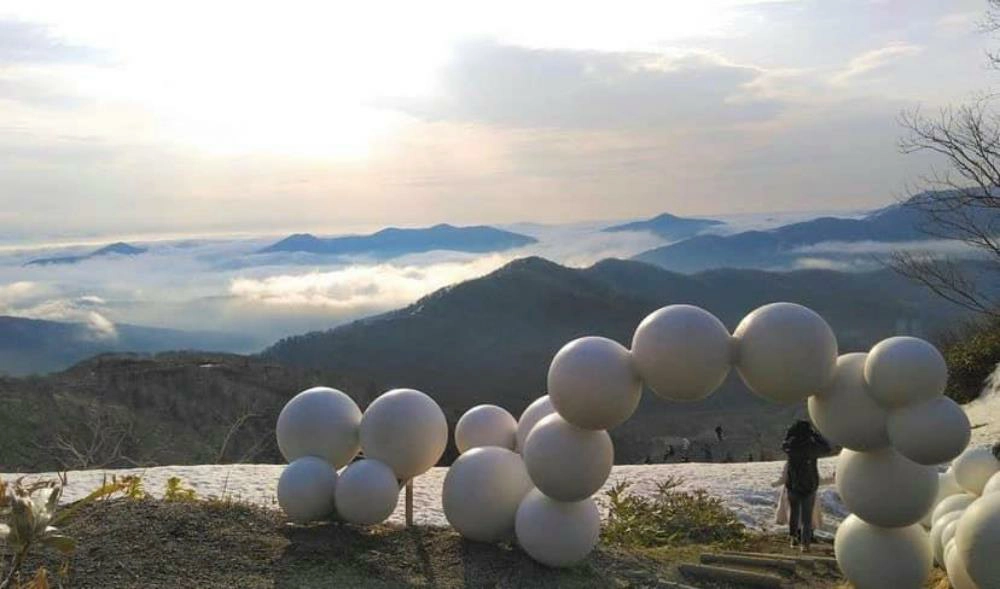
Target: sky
[{"x": 242, "y": 118}]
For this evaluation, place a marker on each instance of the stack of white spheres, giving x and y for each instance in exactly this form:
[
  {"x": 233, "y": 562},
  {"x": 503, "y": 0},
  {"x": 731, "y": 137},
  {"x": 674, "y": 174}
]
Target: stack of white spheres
[
  {"x": 966, "y": 525},
  {"x": 887, "y": 409}
]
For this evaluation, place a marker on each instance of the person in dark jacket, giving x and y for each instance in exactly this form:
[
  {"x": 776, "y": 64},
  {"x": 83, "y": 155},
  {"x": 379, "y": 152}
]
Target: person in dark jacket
[{"x": 803, "y": 445}]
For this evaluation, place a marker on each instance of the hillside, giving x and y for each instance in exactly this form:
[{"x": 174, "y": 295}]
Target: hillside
[
  {"x": 490, "y": 340},
  {"x": 394, "y": 242},
  {"x": 34, "y": 346},
  {"x": 115, "y": 249},
  {"x": 667, "y": 226}
]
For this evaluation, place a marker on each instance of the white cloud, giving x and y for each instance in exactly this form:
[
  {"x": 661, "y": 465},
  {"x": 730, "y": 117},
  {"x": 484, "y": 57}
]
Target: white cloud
[{"x": 876, "y": 60}]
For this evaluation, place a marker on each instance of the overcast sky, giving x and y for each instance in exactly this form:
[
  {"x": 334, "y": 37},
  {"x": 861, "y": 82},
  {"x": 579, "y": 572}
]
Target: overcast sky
[{"x": 122, "y": 118}]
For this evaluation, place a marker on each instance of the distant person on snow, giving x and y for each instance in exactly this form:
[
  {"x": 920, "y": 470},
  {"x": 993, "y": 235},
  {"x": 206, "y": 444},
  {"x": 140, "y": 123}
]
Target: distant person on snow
[
  {"x": 718, "y": 432},
  {"x": 803, "y": 445}
]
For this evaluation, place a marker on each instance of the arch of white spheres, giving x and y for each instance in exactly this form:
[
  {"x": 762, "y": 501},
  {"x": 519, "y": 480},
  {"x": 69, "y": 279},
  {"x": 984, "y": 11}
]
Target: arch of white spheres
[{"x": 532, "y": 480}]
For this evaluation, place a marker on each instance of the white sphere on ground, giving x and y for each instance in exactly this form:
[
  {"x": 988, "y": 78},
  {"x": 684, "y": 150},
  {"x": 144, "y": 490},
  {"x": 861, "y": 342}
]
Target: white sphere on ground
[
  {"x": 978, "y": 540},
  {"x": 952, "y": 504},
  {"x": 539, "y": 409},
  {"x": 592, "y": 383},
  {"x": 555, "y": 533},
  {"x": 904, "y": 370},
  {"x": 306, "y": 489},
  {"x": 367, "y": 492},
  {"x": 937, "y": 534},
  {"x": 948, "y": 533},
  {"x": 320, "y": 422},
  {"x": 682, "y": 352},
  {"x": 872, "y": 557},
  {"x": 406, "y": 430},
  {"x": 974, "y": 467},
  {"x": 566, "y": 462},
  {"x": 946, "y": 488},
  {"x": 958, "y": 574},
  {"x": 482, "y": 491},
  {"x": 930, "y": 432},
  {"x": 884, "y": 488},
  {"x": 785, "y": 352},
  {"x": 845, "y": 413},
  {"x": 485, "y": 425},
  {"x": 992, "y": 485}
]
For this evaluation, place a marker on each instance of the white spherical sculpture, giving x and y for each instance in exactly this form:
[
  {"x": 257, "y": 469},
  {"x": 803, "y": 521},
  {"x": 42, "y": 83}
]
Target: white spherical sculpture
[
  {"x": 682, "y": 352},
  {"x": 884, "y": 488},
  {"x": 785, "y": 352},
  {"x": 367, "y": 492},
  {"x": 929, "y": 432},
  {"x": 845, "y": 413},
  {"x": 485, "y": 425},
  {"x": 592, "y": 383},
  {"x": 974, "y": 467},
  {"x": 978, "y": 540},
  {"x": 565, "y": 462},
  {"x": 948, "y": 533},
  {"x": 992, "y": 485},
  {"x": 306, "y": 489},
  {"x": 953, "y": 504},
  {"x": 482, "y": 491},
  {"x": 905, "y": 370},
  {"x": 937, "y": 534},
  {"x": 539, "y": 409},
  {"x": 958, "y": 574},
  {"x": 555, "y": 533},
  {"x": 321, "y": 422},
  {"x": 406, "y": 430},
  {"x": 947, "y": 486},
  {"x": 872, "y": 557}
]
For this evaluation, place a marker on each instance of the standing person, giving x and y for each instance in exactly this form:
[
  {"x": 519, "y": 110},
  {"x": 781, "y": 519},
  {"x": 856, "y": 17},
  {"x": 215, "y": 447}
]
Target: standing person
[{"x": 803, "y": 445}]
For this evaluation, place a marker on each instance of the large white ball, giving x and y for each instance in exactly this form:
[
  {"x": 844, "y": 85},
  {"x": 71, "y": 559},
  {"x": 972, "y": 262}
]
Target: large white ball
[
  {"x": 958, "y": 574},
  {"x": 937, "y": 534},
  {"x": 785, "y": 352},
  {"x": 485, "y": 425},
  {"x": 904, "y": 370},
  {"x": 682, "y": 352},
  {"x": 930, "y": 432},
  {"x": 367, "y": 492},
  {"x": 482, "y": 491},
  {"x": 884, "y": 488},
  {"x": 978, "y": 540},
  {"x": 539, "y": 409},
  {"x": 306, "y": 489},
  {"x": 566, "y": 462},
  {"x": 952, "y": 504},
  {"x": 845, "y": 413},
  {"x": 974, "y": 467},
  {"x": 406, "y": 430},
  {"x": 592, "y": 383},
  {"x": 992, "y": 485},
  {"x": 878, "y": 558},
  {"x": 320, "y": 422},
  {"x": 946, "y": 488},
  {"x": 555, "y": 533}
]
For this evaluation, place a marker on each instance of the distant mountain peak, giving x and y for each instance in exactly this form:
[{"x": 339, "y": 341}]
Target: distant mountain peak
[
  {"x": 667, "y": 226},
  {"x": 119, "y": 248}
]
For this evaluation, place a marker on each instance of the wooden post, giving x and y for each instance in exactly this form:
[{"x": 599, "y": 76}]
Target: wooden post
[{"x": 409, "y": 503}]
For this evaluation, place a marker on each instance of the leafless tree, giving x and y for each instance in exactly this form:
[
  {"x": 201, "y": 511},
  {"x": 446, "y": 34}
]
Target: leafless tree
[{"x": 102, "y": 440}]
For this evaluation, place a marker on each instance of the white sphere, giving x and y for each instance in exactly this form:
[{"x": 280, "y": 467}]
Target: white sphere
[
  {"x": 930, "y": 432},
  {"x": 948, "y": 533},
  {"x": 992, "y": 485},
  {"x": 845, "y": 413},
  {"x": 946, "y": 488},
  {"x": 682, "y": 352},
  {"x": 952, "y": 504},
  {"x": 958, "y": 574},
  {"x": 320, "y": 422},
  {"x": 367, "y": 492},
  {"x": 555, "y": 533},
  {"x": 565, "y": 462},
  {"x": 785, "y": 352},
  {"x": 904, "y": 370},
  {"x": 884, "y": 488},
  {"x": 485, "y": 425},
  {"x": 878, "y": 558},
  {"x": 406, "y": 430},
  {"x": 974, "y": 467},
  {"x": 592, "y": 383},
  {"x": 937, "y": 534},
  {"x": 482, "y": 491},
  {"x": 306, "y": 489},
  {"x": 978, "y": 540},
  {"x": 539, "y": 409}
]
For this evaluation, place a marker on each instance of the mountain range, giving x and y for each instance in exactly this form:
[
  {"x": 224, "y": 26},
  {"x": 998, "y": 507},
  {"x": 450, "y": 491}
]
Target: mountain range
[
  {"x": 115, "y": 249},
  {"x": 392, "y": 242},
  {"x": 669, "y": 227}
]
